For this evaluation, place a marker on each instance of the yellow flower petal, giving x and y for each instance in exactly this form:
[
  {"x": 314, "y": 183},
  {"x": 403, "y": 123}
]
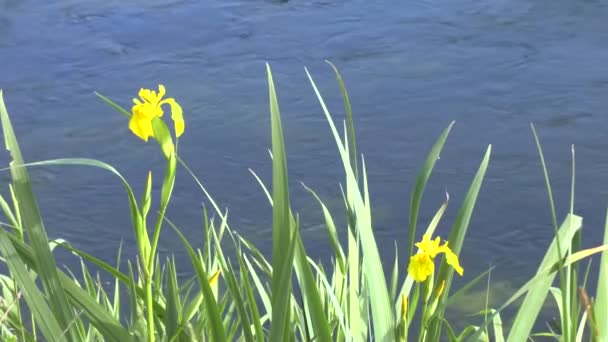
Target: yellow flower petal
[
  {"x": 452, "y": 260},
  {"x": 147, "y": 95},
  {"x": 441, "y": 288},
  {"x": 161, "y": 92},
  {"x": 179, "y": 127},
  {"x": 176, "y": 115},
  {"x": 428, "y": 246},
  {"x": 214, "y": 278},
  {"x": 421, "y": 266},
  {"x": 141, "y": 126}
]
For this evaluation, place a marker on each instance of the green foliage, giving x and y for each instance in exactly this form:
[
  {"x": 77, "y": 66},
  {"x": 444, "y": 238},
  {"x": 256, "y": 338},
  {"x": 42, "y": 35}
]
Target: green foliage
[{"x": 236, "y": 293}]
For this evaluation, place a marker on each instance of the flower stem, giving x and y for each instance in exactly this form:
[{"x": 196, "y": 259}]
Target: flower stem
[{"x": 150, "y": 308}]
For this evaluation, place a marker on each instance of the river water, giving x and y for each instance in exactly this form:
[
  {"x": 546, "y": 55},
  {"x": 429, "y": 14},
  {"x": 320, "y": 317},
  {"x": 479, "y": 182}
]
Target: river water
[{"x": 492, "y": 66}]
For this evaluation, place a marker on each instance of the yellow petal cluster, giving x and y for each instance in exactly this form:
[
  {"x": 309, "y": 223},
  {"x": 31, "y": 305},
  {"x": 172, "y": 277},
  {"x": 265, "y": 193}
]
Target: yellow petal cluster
[
  {"x": 149, "y": 106},
  {"x": 422, "y": 265}
]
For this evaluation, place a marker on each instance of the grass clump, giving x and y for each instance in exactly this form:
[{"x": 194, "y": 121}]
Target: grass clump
[{"x": 243, "y": 295}]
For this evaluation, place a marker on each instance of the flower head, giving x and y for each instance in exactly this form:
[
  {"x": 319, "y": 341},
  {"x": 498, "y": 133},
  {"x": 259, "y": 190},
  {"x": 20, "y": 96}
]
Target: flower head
[
  {"x": 213, "y": 279},
  {"x": 149, "y": 106},
  {"x": 430, "y": 247},
  {"x": 422, "y": 265}
]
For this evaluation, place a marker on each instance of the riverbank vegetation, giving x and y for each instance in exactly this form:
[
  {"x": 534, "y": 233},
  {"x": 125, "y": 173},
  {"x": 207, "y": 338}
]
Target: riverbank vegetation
[{"x": 244, "y": 294}]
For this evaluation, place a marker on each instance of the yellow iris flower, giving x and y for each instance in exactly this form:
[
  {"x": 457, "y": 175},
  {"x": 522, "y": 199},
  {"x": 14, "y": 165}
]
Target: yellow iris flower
[
  {"x": 214, "y": 277},
  {"x": 149, "y": 106},
  {"x": 422, "y": 265}
]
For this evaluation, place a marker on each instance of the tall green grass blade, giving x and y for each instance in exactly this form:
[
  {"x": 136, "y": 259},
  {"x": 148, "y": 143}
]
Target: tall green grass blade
[
  {"x": 96, "y": 314},
  {"x": 135, "y": 213},
  {"x": 116, "y": 297},
  {"x": 166, "y": 191},
  {"x": 333, "y": 300},
  {"x": 174, "y": 310},
  {"x": 556, "y": 293},
  {"x": 420, "y": 184},
  {"x": 331, "y": 230},
  {"x": 215, "y": 324},
  {"x": 282, "y": 228},
  {"x": 382, "y": 319},
  {"x": 261, "y": 290},
  {"x": 113, "y": 105},
  {"x": 395, "y": 275},
  {"x": 32, "y": 222},
  {"x": 497, "y": 325},
  {"x": 137, "y": 324},
  {"x": 114, "y": 272},
  {"x": 456, "y": 238},
  {"x": 234, "y": 289},
  {"x": 6, "y": 209},
  {"x": 451, "y": 335},
  {"x": 280, "y": 329},
  {"x": 310, "y": 293},
  {"x": 351, "y": 137},
  {"x": 355, "y": 319},
  {"x": 563, "y": 277},
  {"x": 258, "y": 257},
  {"x": 573, "y": 310},
  {"x": 581, "y": 328},
  {"x": 546, "y": 177},
  {"x": 35, "y": 300},
  {"x": 537, "y": 288},
  {"x": 601, "y": 299},
  {"x": 253, "y": 308},
  {"x": 264, "y": 188}
]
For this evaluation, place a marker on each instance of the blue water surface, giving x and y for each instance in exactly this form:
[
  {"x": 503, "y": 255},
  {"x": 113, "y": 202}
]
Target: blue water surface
[{"x": 411, "y": 68}]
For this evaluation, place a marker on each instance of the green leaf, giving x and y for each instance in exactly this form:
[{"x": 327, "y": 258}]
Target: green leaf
[
  {"x": 352, "y": 147},
  {"x": 96, "y": 314},
  {"x": 137, "y": 324},
  {"x": 32, "y": 222},
  {"x": 234, "y": 288},
  {"x": 331, "y": 230},
  {"x": 456, "y": 238},
  {"x": 420, "y": 184},
  {"x": 173, "y": 318},
  {"x": 119, "y": 276},
  {"x": 281, "y": 309},
  {"x": 146, "y": 200},
  {"x": 382, "y": 319},
  {"x": 497, "y": 325},
  {"x": 34, "y": 298},
  {"x": 255, "y": 314},
  {"x": 6, "y": 209},
  {"x": 165, "y": 196},
  {"x": 536, "y": 289},
  {"x": 601, "y": 301},
  {"x": 395, "y": 276},
  {"x": 282, "y": 228},
  {"x": 215, "y": 324},
  {"x": 163, "y": 136},
  {"x": 310, "y": 292},
  {"x": 114, "y": 105},
  {"x": 136, "y": 218},
  {"x": 532, "y": 304}
]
